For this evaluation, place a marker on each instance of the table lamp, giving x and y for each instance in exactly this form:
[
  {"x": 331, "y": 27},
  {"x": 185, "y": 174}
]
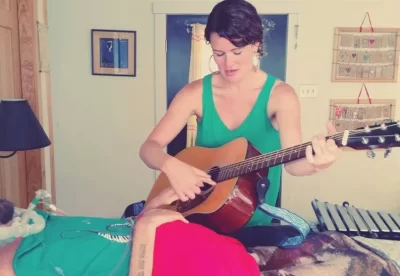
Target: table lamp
[{"x": 20, "y": 129}]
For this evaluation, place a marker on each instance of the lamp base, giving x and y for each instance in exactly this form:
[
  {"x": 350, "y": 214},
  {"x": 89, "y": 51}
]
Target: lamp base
[{"x": 9, "y": 155}]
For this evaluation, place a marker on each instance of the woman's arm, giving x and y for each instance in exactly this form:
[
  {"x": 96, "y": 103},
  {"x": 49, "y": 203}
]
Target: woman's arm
[
  {"x": 144, "y": 239},
  {"x": 289, "y": 126},
  {"x": 180, "y": 109},
  {"x": 145, "y": 232},
  {"x": 142, "y": 251}
]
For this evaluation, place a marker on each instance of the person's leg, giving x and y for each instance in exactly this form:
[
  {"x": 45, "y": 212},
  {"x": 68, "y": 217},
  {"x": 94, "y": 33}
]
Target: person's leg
[{"x": 191, "y": 249}]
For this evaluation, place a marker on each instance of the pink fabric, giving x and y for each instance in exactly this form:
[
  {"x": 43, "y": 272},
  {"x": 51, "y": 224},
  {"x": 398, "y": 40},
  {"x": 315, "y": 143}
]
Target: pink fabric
[{"x": 191, "y": 249}]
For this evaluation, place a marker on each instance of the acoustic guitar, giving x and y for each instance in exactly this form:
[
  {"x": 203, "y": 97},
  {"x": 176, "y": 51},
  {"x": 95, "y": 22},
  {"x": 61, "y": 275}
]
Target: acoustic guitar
[{"x": 237, "y": 166}]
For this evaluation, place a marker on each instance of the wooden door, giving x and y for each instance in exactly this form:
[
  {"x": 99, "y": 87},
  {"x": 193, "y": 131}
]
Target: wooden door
[
  {"x": 22, "y": 174},
  {"x": 12, "y": 170}
]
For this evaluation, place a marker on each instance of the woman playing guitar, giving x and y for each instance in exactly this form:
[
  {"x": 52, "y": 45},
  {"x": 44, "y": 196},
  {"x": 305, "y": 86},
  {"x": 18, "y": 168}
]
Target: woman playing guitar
[{"x": 240, "y": 100}]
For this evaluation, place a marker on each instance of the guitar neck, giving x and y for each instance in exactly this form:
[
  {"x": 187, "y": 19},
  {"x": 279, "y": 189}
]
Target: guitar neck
[{"x": 268, "y": 160}]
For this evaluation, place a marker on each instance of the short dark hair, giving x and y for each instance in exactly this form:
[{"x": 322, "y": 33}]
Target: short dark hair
[
  {"x": 6, "y": 211},
  {"x": 237, "y": 21}
]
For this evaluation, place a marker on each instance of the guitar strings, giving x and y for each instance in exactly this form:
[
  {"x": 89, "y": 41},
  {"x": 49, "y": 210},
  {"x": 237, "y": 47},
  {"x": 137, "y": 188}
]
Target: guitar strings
[
  {"x": 267, "y": 156},
  {"x": 275, "y": 153}
]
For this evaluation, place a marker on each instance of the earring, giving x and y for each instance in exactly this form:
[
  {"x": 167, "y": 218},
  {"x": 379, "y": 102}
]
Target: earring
[
  {"x": 209, "y": 64},
  {"x": 256, "y": 62}
]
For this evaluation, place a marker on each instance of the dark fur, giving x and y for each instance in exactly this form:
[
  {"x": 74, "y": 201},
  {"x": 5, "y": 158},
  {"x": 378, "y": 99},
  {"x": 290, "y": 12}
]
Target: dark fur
[{"x": 6, "y": 211}]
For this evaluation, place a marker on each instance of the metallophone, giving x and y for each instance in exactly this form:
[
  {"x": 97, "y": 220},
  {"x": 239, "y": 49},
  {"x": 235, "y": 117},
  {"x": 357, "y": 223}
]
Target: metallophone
[
  {"x": 358, "y": 221},
  {"x": 353, "y": 221}
]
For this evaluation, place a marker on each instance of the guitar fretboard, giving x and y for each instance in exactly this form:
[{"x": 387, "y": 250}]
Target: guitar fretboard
[{"x": 265, "y": 161}]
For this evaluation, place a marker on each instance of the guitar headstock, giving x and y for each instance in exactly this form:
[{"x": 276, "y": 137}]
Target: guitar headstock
[{"x": 384, "y": 135}]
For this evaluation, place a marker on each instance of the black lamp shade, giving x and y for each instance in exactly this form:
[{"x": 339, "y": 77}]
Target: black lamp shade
[{"x": 19, "y": 128}]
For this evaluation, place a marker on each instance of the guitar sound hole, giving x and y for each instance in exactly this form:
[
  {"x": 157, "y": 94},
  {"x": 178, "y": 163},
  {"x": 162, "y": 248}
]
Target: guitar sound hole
[
  {"x": 206, "y": 191},
  {"x": 206, "y": 187},
  {"x": 184, "y": 206}
]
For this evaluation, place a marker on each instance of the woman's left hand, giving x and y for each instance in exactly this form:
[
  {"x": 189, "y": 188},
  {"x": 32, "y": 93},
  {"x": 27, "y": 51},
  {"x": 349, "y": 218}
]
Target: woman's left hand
[{"x": 326, "y": 151}]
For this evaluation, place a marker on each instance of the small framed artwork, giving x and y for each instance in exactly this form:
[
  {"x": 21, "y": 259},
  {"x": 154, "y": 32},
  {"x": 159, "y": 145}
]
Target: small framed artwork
[
  {"x": 113, "y": 52},
  {"x": 367, "y": 56}
]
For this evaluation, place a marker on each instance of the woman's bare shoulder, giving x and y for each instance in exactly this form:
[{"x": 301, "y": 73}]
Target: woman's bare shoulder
[
  {"x": 283, "y": 96},
  {"x": 282, "y": 90},
  {"x": 191, "y": 96},
  {"x": 193, "y": 89}
]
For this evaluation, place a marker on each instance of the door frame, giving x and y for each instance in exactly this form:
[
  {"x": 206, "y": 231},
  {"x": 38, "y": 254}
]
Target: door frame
[
  {"x": 163, "y": 8},
  {"x": 37, "y": 170}
]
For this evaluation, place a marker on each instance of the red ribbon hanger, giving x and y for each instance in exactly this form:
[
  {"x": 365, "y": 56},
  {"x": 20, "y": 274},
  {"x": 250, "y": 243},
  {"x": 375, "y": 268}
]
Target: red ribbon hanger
[
  {"x": 366, "y": 91},
  {"x": 370, "y": 24}
]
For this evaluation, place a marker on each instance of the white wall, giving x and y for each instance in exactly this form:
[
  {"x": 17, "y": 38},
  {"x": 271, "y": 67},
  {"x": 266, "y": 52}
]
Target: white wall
[{"x": 100, "y": 122}]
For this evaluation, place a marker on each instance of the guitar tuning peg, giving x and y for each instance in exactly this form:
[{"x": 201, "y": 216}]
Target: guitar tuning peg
[
  {"x": 371, "y": 154},
  {"x": 387, "y": 152}
]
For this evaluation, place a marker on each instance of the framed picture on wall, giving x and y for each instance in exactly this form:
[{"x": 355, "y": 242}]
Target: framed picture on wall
[
  {"x": 367, "y": 56},
  {"x": 113, "y": 52}
]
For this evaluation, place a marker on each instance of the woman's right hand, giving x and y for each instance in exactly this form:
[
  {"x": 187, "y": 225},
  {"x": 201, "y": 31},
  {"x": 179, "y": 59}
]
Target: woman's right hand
[{"x": 186, "y": 180}]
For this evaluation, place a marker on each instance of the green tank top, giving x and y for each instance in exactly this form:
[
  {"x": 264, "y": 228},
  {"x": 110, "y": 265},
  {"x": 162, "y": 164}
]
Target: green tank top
[{"x": 257, "y": 129}]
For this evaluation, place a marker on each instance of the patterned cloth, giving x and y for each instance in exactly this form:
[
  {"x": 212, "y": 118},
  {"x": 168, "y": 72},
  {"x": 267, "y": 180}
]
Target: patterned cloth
[
  {"x": 324, "y": 254},
  {"x": 387, "y": 249}
]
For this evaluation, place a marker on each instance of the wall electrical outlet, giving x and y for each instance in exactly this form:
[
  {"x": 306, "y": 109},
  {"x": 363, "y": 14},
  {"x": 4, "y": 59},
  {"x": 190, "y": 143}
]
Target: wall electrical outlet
[{"x": 308, "y": 91}]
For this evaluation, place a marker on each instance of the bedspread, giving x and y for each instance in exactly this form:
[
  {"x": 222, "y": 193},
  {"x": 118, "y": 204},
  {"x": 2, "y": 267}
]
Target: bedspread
[{"x": 325, "y": 254}]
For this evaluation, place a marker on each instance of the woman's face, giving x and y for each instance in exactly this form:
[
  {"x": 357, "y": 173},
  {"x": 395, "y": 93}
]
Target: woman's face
[{"x": 233, "y": 63}]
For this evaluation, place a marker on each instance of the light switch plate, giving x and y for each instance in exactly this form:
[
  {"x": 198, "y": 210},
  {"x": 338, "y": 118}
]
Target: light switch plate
[{"x": 308, "y": 91}]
